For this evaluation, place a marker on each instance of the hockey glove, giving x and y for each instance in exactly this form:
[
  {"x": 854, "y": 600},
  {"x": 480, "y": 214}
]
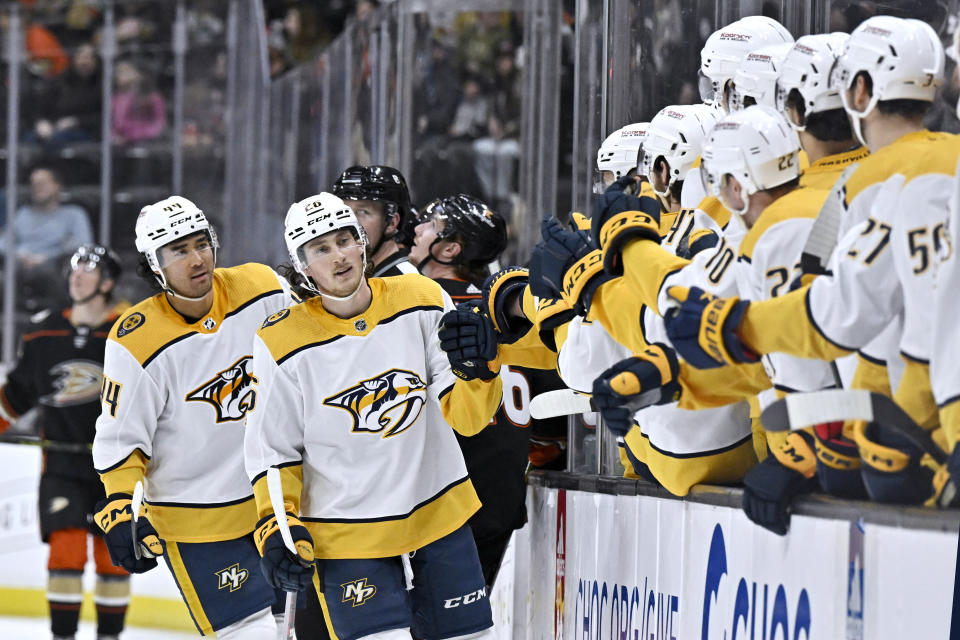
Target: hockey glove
[
  {"x": 619, "y": 218},
  {"x": 768, "y": 490},
  {"x": 894, "y": 469},
  {"x": 552, "y": 313},
  {"x": 646, "y": 379},
  {"x": 283, "y": 569},
  {"x": 838, "y": 461},
  {"x": 582, "y": 281},
  {"x": 501, "y": 293},
  {"x": 703, "y": 329},
  {"x": 468, "y": 338},
  {"x": 694, "y": 243},
  {"x": 114, "y": 515},
  {"x": 558, "y": 250}
]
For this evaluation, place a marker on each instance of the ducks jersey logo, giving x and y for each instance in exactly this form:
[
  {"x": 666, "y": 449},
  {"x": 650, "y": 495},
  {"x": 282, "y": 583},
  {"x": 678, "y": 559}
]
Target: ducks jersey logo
[
  {"x": 77, "y": 382},
  {"x": 387, "y": 403},
  {"x": 230, "y": 392}
]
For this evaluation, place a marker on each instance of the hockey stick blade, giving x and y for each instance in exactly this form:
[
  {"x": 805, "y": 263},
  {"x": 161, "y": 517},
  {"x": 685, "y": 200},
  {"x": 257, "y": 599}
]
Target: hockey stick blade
[
  {"x": 800, "y": 410},
  {"x": 135, "y": 505},
  {"x": 823, "y": 234},
  {"x": 560, "y": 402}
]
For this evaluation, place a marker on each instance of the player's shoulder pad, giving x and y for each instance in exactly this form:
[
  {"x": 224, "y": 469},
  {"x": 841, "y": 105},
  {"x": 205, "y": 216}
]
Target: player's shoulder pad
[
  {"x": 909, "y": 153},
  {"x": 712, "y": 206},
  {"x": 408, "y": 291},
  {"x": 144, "y": 329},
  {"x": 245, "y": 283},
  {"x": 802, "y": 202},
  {"x": 940, "y": 157},
  {"x": 290, "y": 329}
]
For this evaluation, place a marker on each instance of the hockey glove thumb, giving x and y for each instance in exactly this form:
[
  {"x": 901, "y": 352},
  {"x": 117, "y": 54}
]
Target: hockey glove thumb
[
  {"x": 283, "y": 569},
  {"x": 646, "y": 379},
  {"x": 468, "y": 338},
  {"x": 114, "y": 516},
  {"x": 502, "y": 292},
  {"x": 768, "y": 490},
  {"x": 703, "y": 328}
]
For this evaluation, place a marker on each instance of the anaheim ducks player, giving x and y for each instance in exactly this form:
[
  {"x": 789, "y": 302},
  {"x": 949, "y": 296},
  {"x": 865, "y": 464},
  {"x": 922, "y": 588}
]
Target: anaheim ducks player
[
  {"x": 358, "y": 412},
  {"x": 866, "y": 291},
  {"x": 60, "y": 369},
  {"x": 178, "y": 384}
]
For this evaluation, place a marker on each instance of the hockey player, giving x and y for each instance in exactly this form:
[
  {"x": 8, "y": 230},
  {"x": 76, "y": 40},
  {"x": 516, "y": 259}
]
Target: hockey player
[
  {"x": 868, "y": 287},
  {"x": 756, "y": 79},
  {"x": 60, "y": 370},
  {"x": 178, "y": 384},
  {"x": 357, "y": 409},
  {"x": 497, "y": 457},
  {"x": 379, "y": 197}
]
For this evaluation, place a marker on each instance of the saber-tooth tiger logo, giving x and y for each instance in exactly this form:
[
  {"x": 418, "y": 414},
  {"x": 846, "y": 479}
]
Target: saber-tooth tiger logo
[
  {"x": 230, "y": 392},
  {"x": 389, "y": 402}
]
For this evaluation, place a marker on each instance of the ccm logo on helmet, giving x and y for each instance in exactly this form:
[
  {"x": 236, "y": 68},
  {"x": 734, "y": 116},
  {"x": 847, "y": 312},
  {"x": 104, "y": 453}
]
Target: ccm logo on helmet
[{"x": 470, "y": 598}]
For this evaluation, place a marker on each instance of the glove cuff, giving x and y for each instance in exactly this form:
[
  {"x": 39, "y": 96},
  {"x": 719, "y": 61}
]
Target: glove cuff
[
  {"x": 112, "y": 510},
  {"x": 552, "y": 313},
  {"x": 620, "y": 229},
  {"x": 498, "y": 294},
  {"x": 582, "y": 280},
  {"x": 267, "y": 526},
  {"x": 796, "y": 453},
  {"x": 721, "y": 317}
]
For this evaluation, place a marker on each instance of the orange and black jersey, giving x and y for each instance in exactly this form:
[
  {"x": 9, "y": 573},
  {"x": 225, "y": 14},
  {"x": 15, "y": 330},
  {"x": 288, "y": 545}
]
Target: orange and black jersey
[{"x": 60, "y": 370}]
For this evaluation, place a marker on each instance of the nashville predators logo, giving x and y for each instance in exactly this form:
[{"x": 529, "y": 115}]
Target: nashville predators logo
[
  {"x": 77, "y": 382},
  {"x": 133, "y": 321},
  {"x": 230, "y": 392},
  {"x": 389, "y": 402}
]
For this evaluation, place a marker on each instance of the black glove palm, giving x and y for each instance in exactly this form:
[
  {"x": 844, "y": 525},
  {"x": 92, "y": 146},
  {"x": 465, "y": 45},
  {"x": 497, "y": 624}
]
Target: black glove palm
[{"x": 468, "y": 338}]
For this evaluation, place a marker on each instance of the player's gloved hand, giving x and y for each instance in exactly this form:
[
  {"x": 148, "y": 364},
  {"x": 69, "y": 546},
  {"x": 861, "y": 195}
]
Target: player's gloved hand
[
  {"x": 114, "y": 515},
  {"x": 502, "y": 294},
  {"x": 468, "y": 338},
  {"x": 283, "y": 569},
  {"x": 894, "y": 469},
  {"x": 646, "y": 379},
  {"x": 768, "y": 490},
  {"x": 703, "y": 328},
  {"x": 552, "y": 313},
  {"x": 619, "y": 218},
  {"x": 558, "y": 250},
  {"x": 582, "y": 280},
  {"x": 838, "y": 461}
]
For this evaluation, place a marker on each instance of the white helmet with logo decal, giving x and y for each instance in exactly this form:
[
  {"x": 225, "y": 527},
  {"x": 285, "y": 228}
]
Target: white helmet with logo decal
[
  {"x": 806, "y": 69},
  {"x": 757, "y": 147},
  {"x": 756, "y": 80},
  {"x": 676, "y": 134},
  {"x": 903, "y": 58},
  {"x": 618, "y": 153},
  {"x": 726, "y": 48},
  {"x": 313, "y": 217},
  {"x": 161, "y": 223}
]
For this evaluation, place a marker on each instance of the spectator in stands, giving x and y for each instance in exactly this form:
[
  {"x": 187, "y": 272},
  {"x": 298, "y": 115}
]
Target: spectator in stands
[
  {"x": 74, "y": 112},
  {"x": 435, "y": 101},
  {"x": 470, "y": 118},
  {"x": 45, "y": 233},
  {"x": 498, "y": 152},
  {"x": 139, "y": 111}
]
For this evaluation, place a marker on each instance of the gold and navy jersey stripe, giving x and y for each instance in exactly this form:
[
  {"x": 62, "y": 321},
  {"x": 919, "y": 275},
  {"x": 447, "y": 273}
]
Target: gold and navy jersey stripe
[
  {"x": 910, "y": 150},
  {"x": 309, "y": 325},
  {"x": 151, "y": 326}
]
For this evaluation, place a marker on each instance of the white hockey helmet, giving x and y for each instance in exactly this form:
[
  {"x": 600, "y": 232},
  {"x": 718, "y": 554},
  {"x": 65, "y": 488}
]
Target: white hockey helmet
[
  {"x": 677, "y": 134},
  {"x": 726, "y": 48},
  {"x": 618, "y": 153},
  {"x": 162, "y": 222},
  {"x": 903, "y": 57},
  {"x": 757, "y": 147},
  {"x": 807, "y": 69},
  {"x": 756, "y": 79},
  {"x": 313, "y": 217}
]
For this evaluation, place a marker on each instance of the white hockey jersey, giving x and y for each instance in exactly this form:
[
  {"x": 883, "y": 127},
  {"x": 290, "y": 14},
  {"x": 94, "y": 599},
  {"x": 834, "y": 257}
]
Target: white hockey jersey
[
  {"x": 174, "y": 399},
  {"x": 357, "y": 414}
]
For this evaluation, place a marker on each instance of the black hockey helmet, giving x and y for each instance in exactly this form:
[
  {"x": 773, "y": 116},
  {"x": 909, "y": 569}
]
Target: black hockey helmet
[
  {"x": 481, "y": 232},
  {"x": 95, "y": 255},
  {"x": 383, "y": 184}
]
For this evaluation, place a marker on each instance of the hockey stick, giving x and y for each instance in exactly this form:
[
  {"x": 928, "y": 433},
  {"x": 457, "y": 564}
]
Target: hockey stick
[
  {"x": 560, "y": 402},
  {"x": 49, "y": 445},
  {"x": 275, "y": 489},
  {"x": 823, "y": 234},
  {"x": 799, "y": 410},
  {"x": 135, "y": 505}
]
